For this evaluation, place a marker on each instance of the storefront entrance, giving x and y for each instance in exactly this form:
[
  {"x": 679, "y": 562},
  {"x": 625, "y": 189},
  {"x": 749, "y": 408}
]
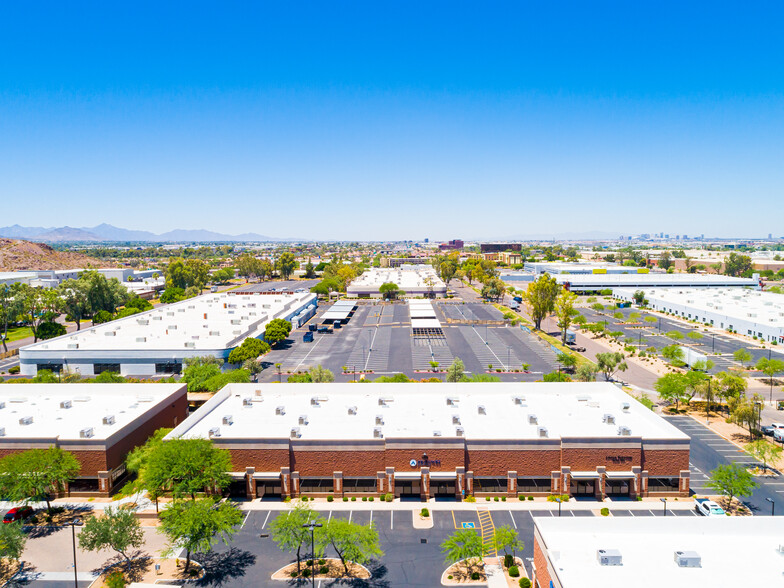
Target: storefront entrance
[
  {"x": 583, "y": 488},
  {"x": 269, "y": 489},
  {"x": 408, "y": 489},
  {"x": 443, "y": 489},
  {"x": 617, "y": 487}
]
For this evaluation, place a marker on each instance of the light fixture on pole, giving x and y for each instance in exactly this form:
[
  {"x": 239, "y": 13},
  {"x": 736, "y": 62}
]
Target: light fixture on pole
[
  {"x": 664, "y": 503},
  {"x": 312, "y": 525},
  {"x": 772, "y": 506},
  {"x": 558, "y": 500},
  {"x": 75, "y": 523}
]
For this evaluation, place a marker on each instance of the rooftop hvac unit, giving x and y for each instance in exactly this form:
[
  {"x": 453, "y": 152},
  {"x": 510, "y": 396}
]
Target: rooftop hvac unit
[
  {"x": 66, "y": 404},
  {"x": 86, "y": 433},
  {"x": 172, "y": 327},
  {"x": 108, "y": 419},
  {"x": 280, "y": 410},
  {"x": 28, "y": 420},
  {"x": 303, "y": 419},
  {"x": 141, "y": 339},
  {"x": 384, "y": 401},
  {"x": 609, "y": 557},
  {"x": 2, "y": 405},
  {"x": 542, "y": 432},
  {"x": 532, "y": 419},
  {"x": 295, "y": 434},
  {"x": 459, "y": 432},
  {"x": 214, "y": 333},
  {"x": 379, "y": 419},
  {"x": 110, "y": 334},
  {"x": 436, "y": 433},
  {"x": 481, "y": 409},
  {"x": 72, "y": 346},
  {"x": 190, "y": 344},
  {"x": 452, "y": 401},
  {"x": 625, "y": 406},
  {"x": 377, "y": 434},
  {"x": 519, "y": 400},
  {"x": 257, "y": 392},
  {"x": 608, "y": 419},
  {"x": 352, "y": 410},
  {"x": 624, "y": 431},
  {"x": 2, "y": 431},
  {"x": 228, "y": 420},
  {"x": 214, "y": 432},
  {"x": 314, "y": 401},
  {"x": 455, "y": 419},
  {"x": 688, "y": 559},
  {"x": 248, "y": 401}
]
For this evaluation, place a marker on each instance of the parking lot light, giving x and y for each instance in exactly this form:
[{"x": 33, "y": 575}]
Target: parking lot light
[
  {"x": 558, "y": 500},
  {"x": 772, "y": 506},
  {"x": 664, "y": 503}
]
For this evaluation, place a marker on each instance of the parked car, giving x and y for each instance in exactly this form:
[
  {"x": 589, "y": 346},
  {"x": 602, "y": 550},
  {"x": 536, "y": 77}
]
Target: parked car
[
  {"x": 580, "y": 349},
  {"x": 708, "y": 508},
  {"x": 778, "y": 435},
  {"x": 337, "y": 324},
  {"x": 18, "y": 513},
  {"x": 771, "y": 428},
  {"x": 307, "y": 337},
  {"x": 324, "y": 329},
  {"x": 313, "y": 327}
]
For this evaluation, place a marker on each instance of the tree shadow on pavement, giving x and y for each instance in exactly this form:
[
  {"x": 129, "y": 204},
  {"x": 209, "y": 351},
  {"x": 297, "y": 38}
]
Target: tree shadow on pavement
[
  {"x": 221, "y": 567},
  {"x": 27, "y": 573},
  {"x": 378, "y": 574},
  {"x": 134, "y": 571}
]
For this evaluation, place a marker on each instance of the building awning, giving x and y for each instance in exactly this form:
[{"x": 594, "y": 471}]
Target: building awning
[
  {"x": 443, "y": 475},
  {"x": 237, "y": 475},
  {"x": 266, "y": 476},
  {"x": 585, "y": 475},
  {"x": 408, "y": 476},
  {"x": 621, "y": 475}
]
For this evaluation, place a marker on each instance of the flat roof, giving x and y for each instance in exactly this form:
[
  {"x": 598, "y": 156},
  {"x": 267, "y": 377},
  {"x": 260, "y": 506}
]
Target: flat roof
[
  {"x": 734, "y": 551},
  {"x": 653, "y": 280},
  {"x": 407, "y": 277},
  {"x": 418, "y": 410},
  {"x": 339, "y": 311},
  {"x": 208, "y": 322},
  {"x": 61, "y": 411}
]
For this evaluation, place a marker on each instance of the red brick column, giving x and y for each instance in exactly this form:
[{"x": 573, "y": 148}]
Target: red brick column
[
  {"x": 469, "y": 481},
  {"x": 460, "y": 484},
  {"x": 511, "y": 484},
  {"x": 600, "y": 486},
  {"x": 390, "y": 475},
  {"x": 337, "y": 484},
  {"x": 285, "y": 482},
  {"x": 683, "y": 485},
  {"x": 424, "y": 487},
  {"x": 250, "y": 484}
]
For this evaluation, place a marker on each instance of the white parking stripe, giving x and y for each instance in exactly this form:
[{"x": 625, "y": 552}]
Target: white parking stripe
[
  {"x": 265, "y": 520},
  {"x": 391, "y": 519},
  {"x": 349, "y": 515},
  {"x": 512, "y": 517}
]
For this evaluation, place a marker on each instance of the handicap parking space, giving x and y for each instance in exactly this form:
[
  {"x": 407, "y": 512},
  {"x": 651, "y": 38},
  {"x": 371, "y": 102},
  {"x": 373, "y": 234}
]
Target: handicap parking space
[{"x": 465, "y": 519}]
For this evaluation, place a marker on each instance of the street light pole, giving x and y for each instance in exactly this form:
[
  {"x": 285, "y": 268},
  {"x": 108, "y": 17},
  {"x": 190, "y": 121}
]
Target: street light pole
[
  {"x": 312, "y": 526},
  {"x": 74, "y": 524},
  {"x": 772, "y": 506},
  {"x": 558, "y": 500},
  {"x": 664, "y": 503}
]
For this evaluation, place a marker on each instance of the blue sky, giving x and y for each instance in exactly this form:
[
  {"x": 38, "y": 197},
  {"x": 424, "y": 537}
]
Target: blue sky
[{"x": 394, "y": 120}]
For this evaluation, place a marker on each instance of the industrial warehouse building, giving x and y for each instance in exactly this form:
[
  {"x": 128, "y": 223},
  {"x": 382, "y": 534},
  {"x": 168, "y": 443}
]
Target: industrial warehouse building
[
  {"x": 157, "y": 341},
  {"x": 747, "y": 312},
  {"x": 648, "y": 552},
  {"x": 414, "y": 280},
  {"x": 554, "y": 267},
  {"x": 442, "y": 440},
  {"x": 98, "y": 423}
]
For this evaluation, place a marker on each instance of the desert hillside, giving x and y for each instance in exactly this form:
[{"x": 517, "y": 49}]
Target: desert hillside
[{"x": 17, "y": 255}]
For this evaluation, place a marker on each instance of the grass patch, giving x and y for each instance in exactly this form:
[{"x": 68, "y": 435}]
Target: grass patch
[{"x": 17, "y": 333}]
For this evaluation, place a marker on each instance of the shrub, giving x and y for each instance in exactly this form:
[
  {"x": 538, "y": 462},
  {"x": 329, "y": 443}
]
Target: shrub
[
  {"x": 304, "y": 499},
  {"x": 450, "y": 576},
  {"x": 474, "y": 575},
  {"x": 514, "y": 571},
  {"x": 306, "y": 573},
  {"x": 115, "y": 580},
  {"x": 487, "y": 498},
  {"x": 424, "y": 513},
  {"x": 14, "y": 370},
  {"x": 389, "y": 497},
  {"x": 508, "y": 560},
  {"x": 495, "y": 498},
  {"x": 470, "y": 499},
  {"x": 364, "y": 499},
  {"x": 563, "y": 497},
  {"x": 287, "y": 499},
  {"x": 503, "y": 499},
  {"x": 353, "y": 499},
  {"x": 345, "y": 499},
  {"x": 322, "y": 562},
  {"x": 524, "y": 583},
  {"x": 521, "y": 497},
  {"x": 323, "y": 570},
  {"x": 371, "y": 499},
  {"x": 309, "y": 563},
  {"x": 605, "y": 511},
  {"x": 330, "y": 498},
  {"x": 293, "y": 573},
  {"x": 530, "y": 498}
]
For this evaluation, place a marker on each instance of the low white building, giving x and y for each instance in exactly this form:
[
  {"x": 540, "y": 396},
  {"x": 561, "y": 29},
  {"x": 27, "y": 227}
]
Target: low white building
[
  {"x": 556, "y": 267},
  {"x": 414, "y": 280},
  {"x": 747, "y": 312},
  {"x": 588, "y": 283},
  {"x": 157, "y": 341}
]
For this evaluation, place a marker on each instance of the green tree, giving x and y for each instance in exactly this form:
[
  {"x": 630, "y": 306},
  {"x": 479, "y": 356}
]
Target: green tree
[
  {"x": 586, "y": 372},
  {"x": 251, "y": 348},
  {"x": 764, "y": 451},
  {"x": 540, "y": 297},
  {"x": 117, "y": 529},
  {"x": 730, "y": 385},
  {"x": 198, "y": 370},
  {"x": 286, "y": 264},
  {"x": 103, "y": 294},
  {"x": 12, "y": 542},
  {"x": 665, "y": 260},
  {"x": 565, "y": 311},
  {"x": 455, "y": 371},
  {"x": 464, "y": 544},
  {"x": 770, "y": 367},
  {"x": 609, "y": 363},
  {"x": 136, "y": 463},
  {"x": 650, "y": 319},
  {"x": 74, "y": 296},
  {"x": 506, "y": 540},
  {"x": 744, "y": 411},
  {"x": 567, "y": 360},
  {"x": 289, "y": 532},
  {"x": 674, "y": 354},
  {"x": 389, "y": 290},
  {"x": 731, "y": 480},
  {"x": 694, "y": 335},
  {"x": 737, "y": 265},
  {"x": 320, "y": 375},
  {"x": 742, "y": 356},
  {"x": 351, "y": 541},
  {"x": 310, "y": 271},
  {"x": 33, "y": 475},
  {"x": 675, "y": 335},
  {"x": 673, "y": 388},
  {"x": 107, "y": 377},
  {"x": 222, "y": 276},
  {"x": 639, "y": 297},
  {"x": 187, "y": 466},
  {"x": 494, "y": 289},
  {"x": 556, "y": 377},
  {"x": 197, "y": 525},
  {"x": 248, "y": 266},
  {"x": 597, "y": 306},
  {"x": 10, "y": 309},
  {"x": 50, "y": 330},
  {"x": 277, "y": 330},
  {"x": 191, "y": 273},
  {"x": 172, "y": 294}
]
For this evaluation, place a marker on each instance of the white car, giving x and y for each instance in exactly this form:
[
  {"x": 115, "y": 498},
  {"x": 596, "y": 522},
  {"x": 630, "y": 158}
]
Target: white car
[
  {"x": 708, "y": 508},
  {"x": 778, "y": 435}
]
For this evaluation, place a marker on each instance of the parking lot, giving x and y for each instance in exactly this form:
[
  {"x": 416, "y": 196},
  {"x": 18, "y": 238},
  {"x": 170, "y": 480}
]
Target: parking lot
[{"x": 378, "y": 338}]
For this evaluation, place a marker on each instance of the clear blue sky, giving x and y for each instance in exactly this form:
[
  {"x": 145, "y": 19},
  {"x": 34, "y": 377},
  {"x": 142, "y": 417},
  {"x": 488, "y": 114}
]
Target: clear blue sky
[{"x": 394, "y": 120}]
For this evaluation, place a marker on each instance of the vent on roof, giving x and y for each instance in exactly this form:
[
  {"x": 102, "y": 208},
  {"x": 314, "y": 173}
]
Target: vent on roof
[
  {"x": 459, "y": 431},
  {"x": 2, "y": 405},
  {"x": 532, "y": 419},
  {"x": 593, "y": 403},
  {"x": 28, "y": 420},
  {"x": 608, "y": 419},
  {"x": 452, "y": 401},
  {"x": 2, "y": 431},
  {"x": 379, "y": 419},
  {"x": 314, "y": 401},
  {"x": 455, "y": 419},
  {"x": 377, "y": 434},
  {"x": 280, "y": 410},
  {"x": 190, "y": 344},
  {"x": 609, "y": 557},
  {"x": 140, "y": 399},
  {"x": 86, "y": 433},
  {"x": 583, "y": 398},
  {"x": 294, "y": 433},
  {"x": 625, "y": 406},
  {"x": 110, "y": 334},
  {"x": 542, "y": 431},
  {"x": 303, "y": 419},
  {"x": 172, "y": 327},
  {"x": 248, "y": 401},
  {"x": 228, "y": 420},
  {"x": 384, "y": 401},
  {"x": 214, "y": 432},
  {"x": 141, "y": 339},
  {"x": 624, "y": 431},
  {"x": 257, "y": 392},
  {"x": 66, "y": 404},
  {"x": 518, "y": 400},
  {"x": 72, "y": 346},
  {"x": 108, "y": 419},
  {"x": 436, "y": 433},
  {"x": 481, "y": 409},
  {"x": 352, "y": 410},
  {"x": 688, "y": 559}
]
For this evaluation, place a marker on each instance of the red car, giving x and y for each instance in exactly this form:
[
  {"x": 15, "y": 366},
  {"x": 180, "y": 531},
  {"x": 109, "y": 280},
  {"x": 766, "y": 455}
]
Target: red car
[{"x": 17, "y": 514}]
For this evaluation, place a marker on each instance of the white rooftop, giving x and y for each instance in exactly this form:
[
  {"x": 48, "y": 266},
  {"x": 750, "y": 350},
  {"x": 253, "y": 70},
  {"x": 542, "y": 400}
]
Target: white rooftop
[
  {"x": 654, "y": 280},
  {"x": 208, "y": 322},
  {"x": 414, "y": 278},
  {"x": 733, "y": 551},
  {"x": 486, "y": 411},
  {"x": 61, "y": 411}
]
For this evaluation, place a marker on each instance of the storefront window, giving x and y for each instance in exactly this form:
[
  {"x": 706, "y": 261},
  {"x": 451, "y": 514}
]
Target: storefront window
[
  {"x": 316, "y": 485},
  {"x": 533, "y": 485},
  {"x": 490, "y": 484},
  {"x": 663, "y": 484},
  {"x": 359, "y": 485}
]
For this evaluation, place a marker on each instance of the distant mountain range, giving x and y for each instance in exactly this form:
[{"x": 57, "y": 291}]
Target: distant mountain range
[{"x": 107, "y": 232}]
